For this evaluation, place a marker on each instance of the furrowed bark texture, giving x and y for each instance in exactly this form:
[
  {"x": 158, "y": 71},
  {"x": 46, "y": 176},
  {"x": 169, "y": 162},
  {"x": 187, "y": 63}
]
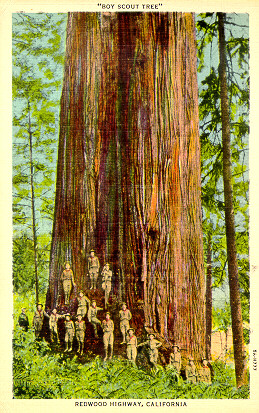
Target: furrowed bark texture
[
  {"x": 128, "y": 180},
  {"x": 208, "y": 301},
  {"x": 235, "y": 300}
]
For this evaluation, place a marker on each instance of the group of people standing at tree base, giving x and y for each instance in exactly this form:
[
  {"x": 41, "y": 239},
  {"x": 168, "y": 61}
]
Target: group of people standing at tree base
[
  {"x": 77, "y": 330},
  {"x": 93, "y": 265},
  {"x": 75, "y": 326}
]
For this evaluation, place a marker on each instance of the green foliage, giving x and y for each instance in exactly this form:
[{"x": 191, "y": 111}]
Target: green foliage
[
  {"x": 23, "y": 262},
  {"x": 38, "y": 372},
  {"x": 38, "y": 52},
  {"x": 221, "y": 318},
  {"x": 211, "y": 143}
]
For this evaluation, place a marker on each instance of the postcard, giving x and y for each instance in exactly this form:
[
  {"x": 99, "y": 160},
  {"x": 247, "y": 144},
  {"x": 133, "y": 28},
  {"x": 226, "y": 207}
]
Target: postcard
[{"x": 129, "y": 206}]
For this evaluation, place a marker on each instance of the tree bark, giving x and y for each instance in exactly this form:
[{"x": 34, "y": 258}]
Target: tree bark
[
  {"x": 34, "y": 233},
  {"x": 208, "y": 301},
  {"x": 128, "y": 179},
  {"x": 235, "y": 300}
]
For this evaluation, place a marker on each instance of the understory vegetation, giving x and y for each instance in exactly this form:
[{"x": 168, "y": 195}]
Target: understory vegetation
[{"x": 41, "y": 373}]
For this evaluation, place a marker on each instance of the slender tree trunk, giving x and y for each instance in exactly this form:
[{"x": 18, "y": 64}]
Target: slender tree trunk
[
  {"x": 35, "y": 245},
  {"x": 208, "y": 301},
  {"x": 128, "y": 178},
  {"x": 235, "y": 300}
]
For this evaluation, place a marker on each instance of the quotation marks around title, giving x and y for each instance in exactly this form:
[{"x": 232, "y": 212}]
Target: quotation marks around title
[{"x": 130, "y": 7}]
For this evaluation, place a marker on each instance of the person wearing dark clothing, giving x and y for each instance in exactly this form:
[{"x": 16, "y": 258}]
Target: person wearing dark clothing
[{"x": 23, "y": 320}]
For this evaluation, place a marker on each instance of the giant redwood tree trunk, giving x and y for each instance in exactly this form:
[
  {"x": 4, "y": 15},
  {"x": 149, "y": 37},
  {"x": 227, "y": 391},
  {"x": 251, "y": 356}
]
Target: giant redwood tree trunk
[{"x": 128, "y": 180}]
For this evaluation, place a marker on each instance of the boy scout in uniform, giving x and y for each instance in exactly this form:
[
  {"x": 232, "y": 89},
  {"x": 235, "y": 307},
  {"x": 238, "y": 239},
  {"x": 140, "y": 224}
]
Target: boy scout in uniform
[
  {"x": 153, "y": 345},
  {"x": 80, "y": 333},
  {"x": 53, "y": 325},
  {"x": 67, "y": 279},
  {"x": 204, "y": 374},
  {"x": 108, "y": 327},
  {"x": 190, "y": 371},
  {"x": 23, "y": 320},
  {"x": 131, "y": 341},
  {"x": 175, "y": 359},
  {"x": 125, "y": 317},
  {"x": 106, "y": 283},
  {"x": 83, "y": 304},
  {"x": 93, "y": 269},
  {"x": 70, "y": 332},
  {"x": 92, "y": 316},
  {"x": 38, "y": 319}
]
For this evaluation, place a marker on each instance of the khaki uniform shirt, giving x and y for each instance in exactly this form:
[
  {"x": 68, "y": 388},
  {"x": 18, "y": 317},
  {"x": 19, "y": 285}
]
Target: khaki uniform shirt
[
  {"x": 204, "y": 374},
  {"x": 38, "y": 319},
  {"x": 70, "y": 330},
  {"x": 108, "y": 326},
  {"x": 125, "y": 316},
  {"x": 191, "y": 373},
  {"x": 131, "y": 341},
  {"x": 106, "y": 275},
  {"x": 93, "y": 264},
  {"x": 53, "y": 320},
  {"x": 80, "y": 326},
  {"x": 92, "y": 313},
  {"x": 67, "y": 275},
  {"x": 175, "y": 361},
  {"x": 83, "y": 301},
  {"x": 106, "y": 279}
]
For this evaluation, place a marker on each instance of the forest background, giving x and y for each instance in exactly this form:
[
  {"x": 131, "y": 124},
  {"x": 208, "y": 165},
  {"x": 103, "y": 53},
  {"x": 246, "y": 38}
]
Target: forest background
[{"x": 43, "y": 84}]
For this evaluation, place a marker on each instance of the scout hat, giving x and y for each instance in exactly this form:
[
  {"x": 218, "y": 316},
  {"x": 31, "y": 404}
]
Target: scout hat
[
  {"x": 92, "y": 250},
  {"x": 130, "y": 329},
  {"x": 123, "y": 304},
  {"x": 39, "y": 304},
  {"x": 107, "y": 313},
  {"x": 152, "y": 334},
  {"x": 67, "y": 315},
  {"x": 175, "y": 345}
]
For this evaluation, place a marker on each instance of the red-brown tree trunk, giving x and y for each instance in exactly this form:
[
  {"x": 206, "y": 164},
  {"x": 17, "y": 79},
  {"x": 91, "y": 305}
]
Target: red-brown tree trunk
[
  {"x": 208, "y": 301},
  {"x": 235, "y": 300},
  {"x": 128, "y": 180}
]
